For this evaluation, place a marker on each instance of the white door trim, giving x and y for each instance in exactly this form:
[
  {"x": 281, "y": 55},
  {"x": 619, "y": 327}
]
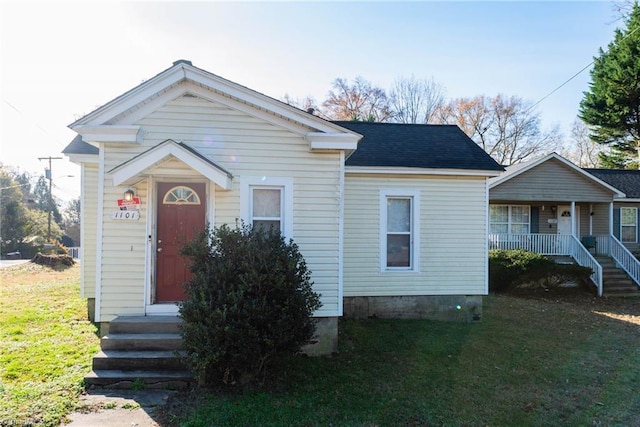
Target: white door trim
[{"x": 166, "y": 309}]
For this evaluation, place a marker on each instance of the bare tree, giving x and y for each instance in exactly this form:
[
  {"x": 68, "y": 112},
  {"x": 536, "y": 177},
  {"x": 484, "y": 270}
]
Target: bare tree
[
  {"x": 307, "y": 104},
  {"x": 583, "y": 151},
  {"x": 621, "y": 9},
  {"x": 472, "y": 115},
  {"x": 360, "y": 101},
  {"x": 505, "y": 127},
  {"x": 416, "y": 100}
]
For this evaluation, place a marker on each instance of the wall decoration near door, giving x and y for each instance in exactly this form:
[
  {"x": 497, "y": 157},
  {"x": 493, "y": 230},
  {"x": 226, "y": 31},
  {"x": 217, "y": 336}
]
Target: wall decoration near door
[{"x": 180, "y": 216}]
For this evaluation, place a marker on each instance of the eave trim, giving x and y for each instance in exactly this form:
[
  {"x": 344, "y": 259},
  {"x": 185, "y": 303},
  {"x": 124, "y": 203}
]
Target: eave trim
[{"x": 139, "y": 165}]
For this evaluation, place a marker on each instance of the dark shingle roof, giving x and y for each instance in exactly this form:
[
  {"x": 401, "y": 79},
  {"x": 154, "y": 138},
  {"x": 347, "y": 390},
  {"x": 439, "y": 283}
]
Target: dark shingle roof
[
  {"x": 417, "y": 146},
  {"x": 625, "y": 180},
  {"x": 78, "y": 146}
]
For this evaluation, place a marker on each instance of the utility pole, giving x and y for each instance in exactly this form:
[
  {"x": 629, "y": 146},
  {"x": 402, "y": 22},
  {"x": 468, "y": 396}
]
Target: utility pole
[{"x": 49, "y": 172}]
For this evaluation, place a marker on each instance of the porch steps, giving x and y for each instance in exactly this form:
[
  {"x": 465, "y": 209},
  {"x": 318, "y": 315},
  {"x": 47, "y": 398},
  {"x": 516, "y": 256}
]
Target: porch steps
[
  {"x": 615, "y": 281},
  {"x": 140, "y": 351}
]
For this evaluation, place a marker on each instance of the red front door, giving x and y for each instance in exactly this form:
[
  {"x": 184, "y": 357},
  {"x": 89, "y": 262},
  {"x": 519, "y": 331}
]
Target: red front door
[{"x": 181, "y": 215}]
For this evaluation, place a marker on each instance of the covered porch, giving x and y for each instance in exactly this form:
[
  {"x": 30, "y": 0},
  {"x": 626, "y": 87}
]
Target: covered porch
[{"x": 552, "y": 207}]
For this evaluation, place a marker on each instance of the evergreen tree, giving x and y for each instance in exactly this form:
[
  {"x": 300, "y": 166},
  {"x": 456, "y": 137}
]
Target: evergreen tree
[{"x": 611, "y": 106}]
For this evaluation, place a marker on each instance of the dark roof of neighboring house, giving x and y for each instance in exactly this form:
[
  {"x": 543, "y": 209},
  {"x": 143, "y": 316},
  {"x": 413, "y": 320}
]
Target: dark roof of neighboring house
[
  {"x": 78, "y": 146},
  {"x": 625, "y": 180},
  {"x": 417, "y": 146}
]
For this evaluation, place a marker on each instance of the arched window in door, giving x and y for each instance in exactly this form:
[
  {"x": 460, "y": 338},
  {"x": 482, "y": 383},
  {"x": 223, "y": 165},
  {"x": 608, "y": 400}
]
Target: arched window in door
[{"x": 181, "y": 195}]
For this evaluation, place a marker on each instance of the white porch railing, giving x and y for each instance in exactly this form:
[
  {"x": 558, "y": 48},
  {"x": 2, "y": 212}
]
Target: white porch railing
[
  {"x": 74, "y": 252},
  {"x": 545, "y": 244},
  {"x": 551, "y": 244},
  {"x": 625, "y": 259}
]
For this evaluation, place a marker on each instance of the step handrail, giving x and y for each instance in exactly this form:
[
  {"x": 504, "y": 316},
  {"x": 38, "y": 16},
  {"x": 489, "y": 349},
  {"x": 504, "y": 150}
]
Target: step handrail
[
  {"x": 584, "y": 258},
  {"x": 624, "y": 258}
]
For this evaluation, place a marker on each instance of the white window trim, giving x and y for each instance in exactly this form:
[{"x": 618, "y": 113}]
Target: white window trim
[
  {"x": 635, "y": 225},
  {"x": 509, "y": 222},
  {"x": 414, "y": 260},
  {"x": 284, "y": 183}
]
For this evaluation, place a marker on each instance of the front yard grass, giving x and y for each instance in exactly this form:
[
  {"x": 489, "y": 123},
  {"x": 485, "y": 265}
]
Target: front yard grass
[
  {"x": 561, "y": 357},
  {"x": 46, "y": 344},
  {"x": 550, "y": 359}
]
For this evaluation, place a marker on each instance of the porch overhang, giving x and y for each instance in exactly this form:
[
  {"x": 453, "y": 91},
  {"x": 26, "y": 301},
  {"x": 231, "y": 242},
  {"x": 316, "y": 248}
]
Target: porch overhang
[{"x": 135, "y": 169}]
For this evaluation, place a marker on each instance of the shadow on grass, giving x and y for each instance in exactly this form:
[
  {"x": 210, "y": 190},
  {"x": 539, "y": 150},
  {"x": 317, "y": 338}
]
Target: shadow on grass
[{"x": 549, "y": 358}]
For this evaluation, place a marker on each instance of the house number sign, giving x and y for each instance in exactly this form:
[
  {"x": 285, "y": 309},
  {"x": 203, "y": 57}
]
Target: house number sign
[{"x": 125, "y": 215}]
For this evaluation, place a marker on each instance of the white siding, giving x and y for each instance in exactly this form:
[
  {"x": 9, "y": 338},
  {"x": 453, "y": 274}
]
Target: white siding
[
  {"x": 245, "y": 146},
  {"x": 89, "y": 209},
  {"x": 453, "y": 245},
  {"x": 123, "y": 250}
]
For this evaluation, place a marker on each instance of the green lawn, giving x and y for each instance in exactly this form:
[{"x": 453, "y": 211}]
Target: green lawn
[
  {"x": 535, "y": 359},
  {"x": 46, "y": 344},
  {"x": 531, "y": 361}
]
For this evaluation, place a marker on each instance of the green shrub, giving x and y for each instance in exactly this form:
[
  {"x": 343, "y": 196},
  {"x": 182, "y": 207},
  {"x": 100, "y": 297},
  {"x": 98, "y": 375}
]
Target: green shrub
[
  {"x": 511, "y": 268},
  {"x": 249, "y": 299}
]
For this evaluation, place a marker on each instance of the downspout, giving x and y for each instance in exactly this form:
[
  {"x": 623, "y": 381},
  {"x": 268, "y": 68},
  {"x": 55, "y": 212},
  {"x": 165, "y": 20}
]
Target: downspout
[
  {"x": 590, "y": 219},
  {"x": 486, "y": 236},
  {"x": 341, "y": 236},
  {"x": 99, "y": 230}
]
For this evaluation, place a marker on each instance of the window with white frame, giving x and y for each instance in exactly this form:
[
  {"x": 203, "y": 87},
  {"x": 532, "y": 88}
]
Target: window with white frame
[
  {"x": 399, "y": 230},
  {"x": 267, "y": 202},
  {"x": 629, "y": 224},
  {"x": 266, "y": 208},
  {"x": 505, "y": 219}
]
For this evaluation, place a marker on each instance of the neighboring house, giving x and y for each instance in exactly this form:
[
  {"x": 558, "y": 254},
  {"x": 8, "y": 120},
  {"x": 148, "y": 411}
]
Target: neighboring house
[
  {"x": 626, "y": 221},
  {"x": 553, "y": 207},
  {"x": 391, "y": 219}
]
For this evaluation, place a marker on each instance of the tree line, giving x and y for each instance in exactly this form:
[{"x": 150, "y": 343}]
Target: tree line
[
  {"x": 605, "y": 134},
  {"x": 25, "y": 204},
  {"x": 506, "y": 127}
]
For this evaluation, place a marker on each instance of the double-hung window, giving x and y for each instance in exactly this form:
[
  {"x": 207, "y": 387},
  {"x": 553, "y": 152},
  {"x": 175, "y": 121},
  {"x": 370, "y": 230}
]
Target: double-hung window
[
  {"x": 399, "y": 213},
  {"x": 629, "y": 224},
  {"x": 267, "y": 202},
  {"x": 504, "y": 219},
  {"x": 266, "y": 208}
]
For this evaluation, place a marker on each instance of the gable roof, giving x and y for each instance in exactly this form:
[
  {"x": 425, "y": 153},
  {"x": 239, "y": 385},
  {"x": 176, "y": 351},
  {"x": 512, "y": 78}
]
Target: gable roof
[
  {"x": 519, "y": 168},
  {"x": 417, "y": 146},
  {"x": 132, "y": 170},
  {"x": 626, "y": 180},
  {"x": 148, "y": 95}
]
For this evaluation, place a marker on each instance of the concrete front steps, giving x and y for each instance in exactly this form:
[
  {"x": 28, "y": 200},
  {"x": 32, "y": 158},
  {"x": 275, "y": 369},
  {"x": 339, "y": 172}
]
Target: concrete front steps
[
  {"x": 140, "y": 352},
  {"x": 615, "y": 281}
]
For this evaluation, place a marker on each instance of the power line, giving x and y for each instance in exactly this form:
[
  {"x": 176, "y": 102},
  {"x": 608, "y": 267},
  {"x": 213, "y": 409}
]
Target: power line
[
  {"x": 576, "y": 74},
  {"x": 43, "y": 130},
  {"x": 559, "y": 87}
]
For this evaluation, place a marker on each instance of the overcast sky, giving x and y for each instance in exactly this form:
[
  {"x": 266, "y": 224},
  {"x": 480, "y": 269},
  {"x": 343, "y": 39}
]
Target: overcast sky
[{"x": 62, "y": 60}]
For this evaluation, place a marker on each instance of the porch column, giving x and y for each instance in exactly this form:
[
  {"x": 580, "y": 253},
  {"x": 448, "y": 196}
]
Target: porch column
[
  {"x": 573, "y": 219},
  {"x": 611, "y": 219}
]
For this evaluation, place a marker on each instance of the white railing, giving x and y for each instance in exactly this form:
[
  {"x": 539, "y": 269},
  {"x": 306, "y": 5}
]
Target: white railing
[
  {"x": 584, "y": 258},
  {"x": 624, "y": 258},
  {"x": 551, "y": 244},
  {"x": 74, "y": 252},
  {"x": 545, "y": 244}
]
